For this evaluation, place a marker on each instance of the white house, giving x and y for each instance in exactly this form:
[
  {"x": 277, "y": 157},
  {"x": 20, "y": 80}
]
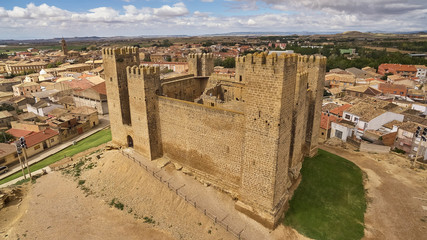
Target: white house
[
  {"x": 372, "y": 114},
  {"x": 421, "y": 71},
  {"x": 342, "y": 129},
  {"x": 420, "y": 108}
]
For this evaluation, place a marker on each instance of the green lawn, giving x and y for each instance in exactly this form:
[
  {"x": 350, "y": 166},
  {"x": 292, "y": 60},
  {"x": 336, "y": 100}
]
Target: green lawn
[
  {"x": 94, "y": 140},
  {"x": 330, "y": 201}
]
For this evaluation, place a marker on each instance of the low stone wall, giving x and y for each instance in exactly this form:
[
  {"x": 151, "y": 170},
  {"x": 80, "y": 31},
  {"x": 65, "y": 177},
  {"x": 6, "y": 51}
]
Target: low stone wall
[{"x": 374, "y": 148}]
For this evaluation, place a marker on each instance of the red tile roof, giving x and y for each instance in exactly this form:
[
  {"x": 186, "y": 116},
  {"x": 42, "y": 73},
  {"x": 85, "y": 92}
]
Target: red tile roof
[
  {"x": 38, "y": 137},
  {"x": 339, "y": 110},
  {"x": 100, "y": 88},
  {"x": 18, "y": 132},
  {"x": 79, "y": 84},
  {"x": 324, "y": 121}
]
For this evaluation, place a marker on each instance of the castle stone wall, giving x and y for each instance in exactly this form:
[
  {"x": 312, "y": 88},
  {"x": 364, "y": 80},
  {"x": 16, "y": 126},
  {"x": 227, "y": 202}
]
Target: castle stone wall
[
  {"x": 269, "y": 99},
  {"x": 254, "y": 151},
  {"x": 315, "y": 66},
  {"x": 205, "y": 139}
]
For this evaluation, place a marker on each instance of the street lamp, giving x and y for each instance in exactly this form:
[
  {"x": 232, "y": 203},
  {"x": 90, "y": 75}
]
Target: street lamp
[
  {"x": 422, "y": 139},
  {"x": 327, "y": 124},
  {"x": 21, "y": 146}
]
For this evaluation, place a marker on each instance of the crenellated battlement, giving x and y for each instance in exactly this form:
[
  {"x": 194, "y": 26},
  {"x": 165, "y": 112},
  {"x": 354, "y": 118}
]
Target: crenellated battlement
[
  {"x": 120, "y": 51},
  {"x": 302, "y": 75},
  {"x": 268, "y": 59},
  {"x": 200, "y": 55},
  {"x": 142, "y": 70},
  {"x": 321, "y": 60}
]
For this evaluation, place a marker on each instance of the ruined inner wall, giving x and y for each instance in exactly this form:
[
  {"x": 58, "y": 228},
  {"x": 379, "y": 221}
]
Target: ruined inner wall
[
  {"x": 206, "y": 140},
  {"x": 186, "y": 89}
]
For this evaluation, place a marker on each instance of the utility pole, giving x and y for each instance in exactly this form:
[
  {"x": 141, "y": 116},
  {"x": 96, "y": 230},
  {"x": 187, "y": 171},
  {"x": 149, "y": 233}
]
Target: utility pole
[
  {"x": 422, "y": 139},
  {"x": 19, "y": 151}
]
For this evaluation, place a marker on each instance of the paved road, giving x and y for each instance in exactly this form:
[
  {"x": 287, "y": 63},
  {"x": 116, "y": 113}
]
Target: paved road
[{"x": 103, "y": 123}]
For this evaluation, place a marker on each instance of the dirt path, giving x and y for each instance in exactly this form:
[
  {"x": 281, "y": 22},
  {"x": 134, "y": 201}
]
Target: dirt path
[{"x": 397, "y": 195}]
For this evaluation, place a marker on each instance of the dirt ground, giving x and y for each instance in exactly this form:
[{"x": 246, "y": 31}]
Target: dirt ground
[
  {"x": 58, "y": 207},
  {"x": 55, "y": 209},
  {"x": 397, "y": 195}
]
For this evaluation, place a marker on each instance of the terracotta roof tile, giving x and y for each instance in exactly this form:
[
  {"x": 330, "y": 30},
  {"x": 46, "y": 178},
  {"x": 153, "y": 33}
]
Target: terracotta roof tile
[
  {"x": 100, "y": 88},
  {"x": 324, "y": 121},
  {"x": 18, "y": 132},
  {"x": 339, "y": 110},
  {"x": 38, "y": 137}
]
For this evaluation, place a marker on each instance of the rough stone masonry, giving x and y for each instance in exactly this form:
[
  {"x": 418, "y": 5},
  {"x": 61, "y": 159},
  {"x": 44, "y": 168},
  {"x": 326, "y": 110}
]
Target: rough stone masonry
[{"x": 245, "y": 133}]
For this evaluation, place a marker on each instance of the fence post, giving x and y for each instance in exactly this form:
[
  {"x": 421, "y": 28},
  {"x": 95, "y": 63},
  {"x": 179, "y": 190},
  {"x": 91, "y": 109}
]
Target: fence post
[
  {"x": 204, "y": 211},
  {"x": 215, "y": 219}
]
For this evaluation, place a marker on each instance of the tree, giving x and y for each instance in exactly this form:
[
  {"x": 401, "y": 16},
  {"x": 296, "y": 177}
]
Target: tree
[
  {"x": 229, "y": 62},
  {"x": 5, "y": 137},
  {"x": 6, "y": 107}
]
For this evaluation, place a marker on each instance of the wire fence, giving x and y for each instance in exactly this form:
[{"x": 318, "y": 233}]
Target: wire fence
[{"x": 176, "y": 190}]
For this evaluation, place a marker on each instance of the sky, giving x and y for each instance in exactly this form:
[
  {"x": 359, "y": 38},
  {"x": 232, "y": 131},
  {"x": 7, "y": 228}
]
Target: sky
[{"x": 22, "y": 19}]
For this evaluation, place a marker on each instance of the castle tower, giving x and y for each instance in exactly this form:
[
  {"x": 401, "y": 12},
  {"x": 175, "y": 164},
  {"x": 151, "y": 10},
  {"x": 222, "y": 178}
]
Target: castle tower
[
  {"x": 200, "y": 64},
  {"x": 144, "y": 88},
  {"x": 298, "y": 130},
  {"x": 315, "y": 66},
  {"x": 64, "y": 47},
  {"x": 270, "y": 85},
  {"x": 115, "y": 62}
]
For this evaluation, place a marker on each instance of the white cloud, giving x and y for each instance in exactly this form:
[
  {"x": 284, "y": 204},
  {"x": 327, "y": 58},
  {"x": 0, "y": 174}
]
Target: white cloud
[
  {"x": 207, "y": 0},
  {"x": 45, "y": 21},
  {"x": 178, "y": 9}
]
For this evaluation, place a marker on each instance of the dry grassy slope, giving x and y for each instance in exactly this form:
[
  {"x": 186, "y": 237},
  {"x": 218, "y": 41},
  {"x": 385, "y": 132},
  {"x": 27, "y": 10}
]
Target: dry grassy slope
[{"x": 120, "y": 178}]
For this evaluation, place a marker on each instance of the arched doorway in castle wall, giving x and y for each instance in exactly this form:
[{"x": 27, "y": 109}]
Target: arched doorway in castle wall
[{"x": 130, "y": 141}]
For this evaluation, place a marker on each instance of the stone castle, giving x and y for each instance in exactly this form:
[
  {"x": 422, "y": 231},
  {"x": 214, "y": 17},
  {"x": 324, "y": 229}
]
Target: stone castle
[{"x": 246, "y": 134}]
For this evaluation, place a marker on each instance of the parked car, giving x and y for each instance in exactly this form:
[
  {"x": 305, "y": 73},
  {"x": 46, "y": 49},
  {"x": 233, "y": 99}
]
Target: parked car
[{"x": 3, "y": 169}]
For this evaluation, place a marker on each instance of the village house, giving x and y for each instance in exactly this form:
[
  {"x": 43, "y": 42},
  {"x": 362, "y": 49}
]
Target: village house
[
  {"x": 325, "y": 125},
  {"x": 8, "y": 155},
  {"x": 36, "y": 141},
  {"x": 397, "y": 69},
  {"x": 421, "y": 71},
  {"x": 394, "y": 89},
  {"x": 42, "y": 108},
  {"x": 5, "y": 119},
  {"x": 25, "y": 89},
  {"x": 6, "y": 84},
  {"x": 342, "y": 129},
  {"x": 95, "y": 97},
  {"x": 85, "y": 113},
  {"x": 372, "y": 114},
  {"x": 420, "y": 107},
  {"x": 341, "y": 80},
  {"x": 417, "y": 95},
  {"x": 5, "y": 95},
  {"x": 405, "y": 139},
  {"x": 362, "y": 91}
]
